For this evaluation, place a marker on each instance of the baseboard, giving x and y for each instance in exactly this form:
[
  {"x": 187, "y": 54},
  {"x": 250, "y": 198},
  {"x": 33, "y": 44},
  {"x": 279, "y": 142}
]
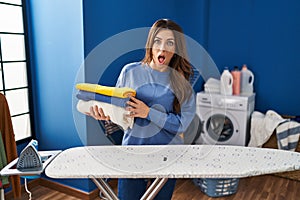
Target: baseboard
[
  {"x": 69, "y": 190},
  {"x": 74, "y": 192}
]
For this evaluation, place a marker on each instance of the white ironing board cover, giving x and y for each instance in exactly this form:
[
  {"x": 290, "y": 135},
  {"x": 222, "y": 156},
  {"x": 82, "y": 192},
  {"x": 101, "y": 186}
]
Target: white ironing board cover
[{"x": 170, "y": 161}]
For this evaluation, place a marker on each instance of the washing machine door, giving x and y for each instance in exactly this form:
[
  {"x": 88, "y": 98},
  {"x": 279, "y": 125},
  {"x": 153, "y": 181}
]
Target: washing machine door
[{"x": 220, "y": 127}]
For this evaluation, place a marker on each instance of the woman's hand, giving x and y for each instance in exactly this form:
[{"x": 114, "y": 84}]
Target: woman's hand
[
  {"x": 137, "y": 108},
  {"x": 97, "y": 113}
]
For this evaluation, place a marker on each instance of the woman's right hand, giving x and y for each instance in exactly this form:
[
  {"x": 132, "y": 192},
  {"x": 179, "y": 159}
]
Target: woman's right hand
[{"x": 97, "y": 113}]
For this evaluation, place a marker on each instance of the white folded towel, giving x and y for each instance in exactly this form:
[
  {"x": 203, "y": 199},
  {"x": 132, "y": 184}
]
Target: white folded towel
[
  {"x": 212, "y": 85},
  {"x": 117, "y": 114},
  {"x": 288, "y": 135},
  {"x": 262, "y": 127}
]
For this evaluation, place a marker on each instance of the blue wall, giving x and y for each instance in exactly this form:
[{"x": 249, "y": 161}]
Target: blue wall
[
  {"x": 262, "y": 34},
  {"x": 56, "y": 36},
  {"x": 265, "y": 36},
  {"x": 57, "y": 53}
]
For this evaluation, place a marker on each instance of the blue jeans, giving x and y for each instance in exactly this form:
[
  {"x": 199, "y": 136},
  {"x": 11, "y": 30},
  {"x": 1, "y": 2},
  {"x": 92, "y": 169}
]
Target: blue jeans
[{"x": 133, "y": 189}]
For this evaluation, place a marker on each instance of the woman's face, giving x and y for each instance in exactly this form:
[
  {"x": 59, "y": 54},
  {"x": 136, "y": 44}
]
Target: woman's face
[{"x": 163, "y": 47}]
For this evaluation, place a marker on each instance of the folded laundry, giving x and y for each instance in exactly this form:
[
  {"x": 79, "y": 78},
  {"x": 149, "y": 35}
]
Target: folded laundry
[
  {"x": 287, "y": 134},
  {"x": 262, "y": 127},
  {"x": 122, "y": 92},
  {"x": 117, "y": 114},
  {"x": 212, "y": 85},
  {"x": 86, "y": 96}
]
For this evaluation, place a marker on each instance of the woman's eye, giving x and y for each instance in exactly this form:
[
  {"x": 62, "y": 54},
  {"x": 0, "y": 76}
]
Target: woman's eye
[
  {"x": 170, "y": 43},
  {"x": 157, "y": 42}
]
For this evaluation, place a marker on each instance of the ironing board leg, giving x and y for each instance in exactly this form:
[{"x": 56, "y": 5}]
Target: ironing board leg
[
  {"x": 154, "y": 188},
  {"x": 105, "y": 189}
]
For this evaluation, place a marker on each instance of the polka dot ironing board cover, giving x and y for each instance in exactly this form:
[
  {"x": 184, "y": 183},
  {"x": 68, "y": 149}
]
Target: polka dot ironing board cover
[{"x": 170, "y": 161}]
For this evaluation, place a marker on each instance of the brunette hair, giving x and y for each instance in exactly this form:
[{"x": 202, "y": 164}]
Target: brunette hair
[{"x": 182, "y": 69}]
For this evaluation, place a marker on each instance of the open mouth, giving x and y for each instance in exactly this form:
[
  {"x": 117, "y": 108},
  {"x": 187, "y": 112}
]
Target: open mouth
[{"x": 161, "y": 59}]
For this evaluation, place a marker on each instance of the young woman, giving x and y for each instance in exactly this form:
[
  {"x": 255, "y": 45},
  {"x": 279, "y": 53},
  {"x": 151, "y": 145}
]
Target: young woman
[{"x": 164, "y": 104}]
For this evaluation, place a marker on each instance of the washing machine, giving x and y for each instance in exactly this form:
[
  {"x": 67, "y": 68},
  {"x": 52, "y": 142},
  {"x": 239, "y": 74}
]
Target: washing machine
[{"x": 225, "y": 118}]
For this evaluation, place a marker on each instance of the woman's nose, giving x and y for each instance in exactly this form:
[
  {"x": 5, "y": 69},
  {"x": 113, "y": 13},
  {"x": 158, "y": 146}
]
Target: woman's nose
[{"x": 162, "y": 46}]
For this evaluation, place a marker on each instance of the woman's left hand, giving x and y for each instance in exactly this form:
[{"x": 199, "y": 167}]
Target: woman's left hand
[{"x": 137, "y": 108}]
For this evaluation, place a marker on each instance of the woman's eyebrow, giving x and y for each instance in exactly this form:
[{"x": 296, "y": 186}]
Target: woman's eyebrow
[{"x": 161, "y": 38}]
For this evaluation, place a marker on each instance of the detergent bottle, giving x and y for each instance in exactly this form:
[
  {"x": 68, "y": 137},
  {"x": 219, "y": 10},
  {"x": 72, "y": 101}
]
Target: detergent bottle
[
  {"x": 236, "y": 85},
  {"x": 247, "y": 79},
  {"x": 226, "y": 82}
]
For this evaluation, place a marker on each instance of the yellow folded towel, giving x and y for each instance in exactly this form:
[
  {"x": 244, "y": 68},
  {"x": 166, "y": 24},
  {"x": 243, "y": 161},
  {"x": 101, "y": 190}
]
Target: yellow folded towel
[{"x": 122, "y": 92}]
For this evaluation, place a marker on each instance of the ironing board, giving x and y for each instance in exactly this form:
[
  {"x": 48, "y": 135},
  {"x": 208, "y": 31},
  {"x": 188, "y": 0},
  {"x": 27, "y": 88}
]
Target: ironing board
[{"x": 168, "y": 161}]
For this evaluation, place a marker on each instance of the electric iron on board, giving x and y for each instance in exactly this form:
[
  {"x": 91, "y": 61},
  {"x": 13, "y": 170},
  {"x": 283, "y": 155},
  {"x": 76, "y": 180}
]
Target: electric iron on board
[
  {"x": 29, "y": 159},
  {"x": 30, "y": 162}
]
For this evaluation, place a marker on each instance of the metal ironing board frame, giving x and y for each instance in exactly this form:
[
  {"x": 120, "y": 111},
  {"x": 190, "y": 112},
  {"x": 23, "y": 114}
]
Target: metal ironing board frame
[{"x": 150, "y": 193}]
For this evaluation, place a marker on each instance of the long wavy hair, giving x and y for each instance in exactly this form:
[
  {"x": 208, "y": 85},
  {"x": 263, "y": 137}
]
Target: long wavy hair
[{"x": 182, "y": 69}]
